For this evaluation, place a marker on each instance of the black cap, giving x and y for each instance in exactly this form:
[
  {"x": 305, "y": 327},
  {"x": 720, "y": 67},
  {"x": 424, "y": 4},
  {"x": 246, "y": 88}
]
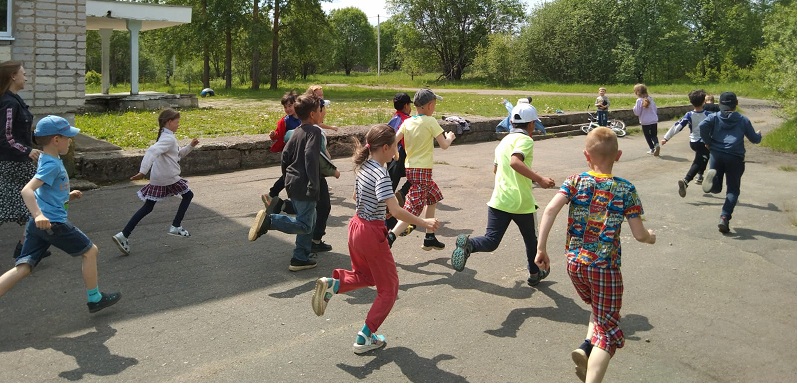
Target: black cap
[{"x": 728, "y": 101}]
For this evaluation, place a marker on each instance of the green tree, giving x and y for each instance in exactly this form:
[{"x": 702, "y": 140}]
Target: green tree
[
  {"x": 454, "y": 29},
  {"x": 354, "y": 41},
  {"x": 775, "y": 65},
  {"x": 303, "y": 46},
  {"x": 499, "y": 61}
]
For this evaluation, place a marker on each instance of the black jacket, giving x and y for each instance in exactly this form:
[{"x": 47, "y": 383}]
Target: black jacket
[
  {"x": 300, "y": 163},
  {"x": 16, "y": 142}
]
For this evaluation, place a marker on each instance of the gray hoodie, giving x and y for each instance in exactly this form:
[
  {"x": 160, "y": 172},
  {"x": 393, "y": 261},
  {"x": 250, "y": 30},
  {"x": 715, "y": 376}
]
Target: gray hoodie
[{"x": 724, "y": 131}]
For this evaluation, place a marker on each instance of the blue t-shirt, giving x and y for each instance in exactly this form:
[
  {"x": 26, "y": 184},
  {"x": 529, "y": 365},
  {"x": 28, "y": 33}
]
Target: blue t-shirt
[
  {"x": 52, "y": 195},
  {"x": 291, "y": 123}
]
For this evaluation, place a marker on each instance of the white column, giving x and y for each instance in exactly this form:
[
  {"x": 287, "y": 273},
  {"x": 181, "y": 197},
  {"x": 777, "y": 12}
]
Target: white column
[
  {"x": 105, "y": 43},
  {"x": 134, "y": 26}
]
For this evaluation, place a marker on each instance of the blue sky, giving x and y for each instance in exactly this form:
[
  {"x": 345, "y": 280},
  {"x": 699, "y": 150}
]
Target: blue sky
[{"x": 372, "y": 8}]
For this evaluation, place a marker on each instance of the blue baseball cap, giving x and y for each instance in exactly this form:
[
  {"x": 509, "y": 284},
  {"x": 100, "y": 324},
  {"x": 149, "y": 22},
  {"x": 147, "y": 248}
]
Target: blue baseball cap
[{"x": 55, "y": 125}]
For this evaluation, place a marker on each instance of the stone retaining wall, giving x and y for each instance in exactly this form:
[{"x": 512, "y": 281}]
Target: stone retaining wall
[{"x": 215, "y": 155}]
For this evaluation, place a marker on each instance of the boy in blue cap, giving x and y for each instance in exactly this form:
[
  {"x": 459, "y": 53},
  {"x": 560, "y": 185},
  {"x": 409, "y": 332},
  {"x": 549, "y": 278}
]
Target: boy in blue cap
[{"x": 47, "y": 197}]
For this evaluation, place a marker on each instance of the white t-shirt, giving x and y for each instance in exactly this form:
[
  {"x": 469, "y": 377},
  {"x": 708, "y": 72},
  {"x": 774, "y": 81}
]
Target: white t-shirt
[{"x": 372, "y": 188}]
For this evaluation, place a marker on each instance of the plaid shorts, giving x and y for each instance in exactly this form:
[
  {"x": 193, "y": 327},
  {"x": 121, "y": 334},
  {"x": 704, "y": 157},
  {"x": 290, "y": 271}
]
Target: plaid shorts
[
  {"x": 424, "y": 191},
  {"x": 602, "y": 289},
  {"x": 157, "y": 193}
]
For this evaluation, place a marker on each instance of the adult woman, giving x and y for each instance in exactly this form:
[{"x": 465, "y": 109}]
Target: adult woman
[{"x": 17, "y": 156}]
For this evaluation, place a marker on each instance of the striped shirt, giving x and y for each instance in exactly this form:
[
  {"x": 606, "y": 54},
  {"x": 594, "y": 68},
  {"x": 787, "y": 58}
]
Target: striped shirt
[{"x": 372, "y": 189}]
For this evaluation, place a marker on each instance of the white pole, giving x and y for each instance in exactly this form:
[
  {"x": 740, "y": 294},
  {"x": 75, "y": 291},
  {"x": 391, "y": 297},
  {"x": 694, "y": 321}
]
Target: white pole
[{"x": 378, "y": 45}]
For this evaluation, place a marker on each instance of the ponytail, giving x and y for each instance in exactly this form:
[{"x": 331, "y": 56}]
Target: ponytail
[
  {"x": 160, "y": 131},
  {"x": 378, "y": 136}
]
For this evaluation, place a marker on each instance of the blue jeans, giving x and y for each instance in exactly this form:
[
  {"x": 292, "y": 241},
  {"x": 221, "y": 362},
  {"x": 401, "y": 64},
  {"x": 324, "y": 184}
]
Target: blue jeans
[
  {"x": 601, "y": 116},
  {"x": 732, "y": 167},
  {"x": 302, "y": 226},
  {"x": 498, "y": 221},
  {"x": 63, "y": 235}
]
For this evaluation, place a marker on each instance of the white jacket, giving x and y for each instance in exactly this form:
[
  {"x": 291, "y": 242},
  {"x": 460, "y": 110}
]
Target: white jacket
[{"x": 163, "y": 158}]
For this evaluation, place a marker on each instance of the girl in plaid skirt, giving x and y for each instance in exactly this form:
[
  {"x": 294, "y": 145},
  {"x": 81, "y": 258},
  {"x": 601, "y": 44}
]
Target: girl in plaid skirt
[{"x": 161, "y": 160}]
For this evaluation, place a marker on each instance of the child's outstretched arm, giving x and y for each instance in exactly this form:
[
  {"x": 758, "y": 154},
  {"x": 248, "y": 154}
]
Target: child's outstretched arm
[
  {"x": 517, "y": 164},
  {"x": 445, "y": 139},
  {"x": 549, "y": 214},
  {"x": 182, "y": 152},
  {"x": 29, "y": 198},
  {"x": 403, "y": 215},
  {"x": 639, "y": 231}
]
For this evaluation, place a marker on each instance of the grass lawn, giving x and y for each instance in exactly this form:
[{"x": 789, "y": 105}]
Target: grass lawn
[
  {"x": 783, "y": 138},
  {"x": 249, "y": 111}
]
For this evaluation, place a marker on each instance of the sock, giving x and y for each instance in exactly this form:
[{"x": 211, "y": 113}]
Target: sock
[
  {"x": 365, "y": 330},
  {"x": 94, "y": 295},
  {"x": 334, "y": 284},
  {"x": 587, "y": 347}
]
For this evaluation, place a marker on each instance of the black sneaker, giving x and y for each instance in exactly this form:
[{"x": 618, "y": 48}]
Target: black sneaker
[
  {"x": 534, "y": 279},
  {"x": 319, "y": 247},
  {"x": 723, "y": 225},
  {"x": 432, "y": 243},
  {"x": 682, "y": 188},
  {"x": 297, "y": 265},
  {"x": 391, "y": 239},
  {"x": 105, "y": 301}
]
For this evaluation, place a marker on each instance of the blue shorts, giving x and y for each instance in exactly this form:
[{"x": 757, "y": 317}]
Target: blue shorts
[{"x": 64, "y": 236}]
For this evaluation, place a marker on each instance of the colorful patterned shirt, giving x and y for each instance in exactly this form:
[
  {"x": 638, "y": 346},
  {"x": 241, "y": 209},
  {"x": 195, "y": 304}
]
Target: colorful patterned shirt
[{"x": 598, "y": 205}]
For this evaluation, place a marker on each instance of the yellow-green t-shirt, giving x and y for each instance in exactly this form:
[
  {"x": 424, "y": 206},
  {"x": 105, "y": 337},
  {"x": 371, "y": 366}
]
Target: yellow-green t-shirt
[
  {"x": 420, "y": 132},
  {"x": 512, "y": 192}
]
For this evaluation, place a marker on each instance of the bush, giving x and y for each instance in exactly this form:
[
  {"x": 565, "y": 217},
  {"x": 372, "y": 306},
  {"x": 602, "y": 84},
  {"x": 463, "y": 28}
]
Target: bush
[{"x": 93, "y": 78}]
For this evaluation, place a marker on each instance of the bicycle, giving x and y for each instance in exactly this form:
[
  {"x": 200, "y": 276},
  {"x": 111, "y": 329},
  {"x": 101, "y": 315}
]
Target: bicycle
[{"x": 616, "y": 125}]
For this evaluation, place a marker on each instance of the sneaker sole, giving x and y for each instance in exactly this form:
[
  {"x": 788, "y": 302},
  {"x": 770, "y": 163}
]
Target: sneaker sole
[
  {"x": 580, "y": 359},
  {"x": 178, "y": 235},
  {"x": 428, "y": 248},
  {"x": 460, "y": 254},
  {"x": 300, "y": 268},
  {"x": 682, "y": 188},
  {"x": 265, "y": 200},
  {"x": 260, "y": 217},
  {"x": 708, "y": 179},
  {"x": 120, "y": 247},
  {"x": 408, "y": 230},
  {"x": 317, "y": 302},
  {"x": 361, "y": 349},
  {"x": 270, "y": 207}
]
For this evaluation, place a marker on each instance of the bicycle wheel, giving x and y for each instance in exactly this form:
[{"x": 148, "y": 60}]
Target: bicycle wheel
[
  {"x": 617, "y": 123},
  {"x": 585, "y": 128}
]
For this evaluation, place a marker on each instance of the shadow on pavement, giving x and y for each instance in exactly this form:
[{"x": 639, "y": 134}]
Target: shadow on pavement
[{"x": 414, "y": 367}]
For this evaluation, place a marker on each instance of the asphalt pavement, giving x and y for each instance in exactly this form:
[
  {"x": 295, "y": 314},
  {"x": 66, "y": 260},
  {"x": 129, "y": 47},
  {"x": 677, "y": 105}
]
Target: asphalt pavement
[{"x": 699, "y": 306}]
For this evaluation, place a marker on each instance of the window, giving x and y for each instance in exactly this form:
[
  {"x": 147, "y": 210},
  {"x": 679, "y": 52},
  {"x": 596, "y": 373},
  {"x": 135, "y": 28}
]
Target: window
[{"x": 5, "y": 19}]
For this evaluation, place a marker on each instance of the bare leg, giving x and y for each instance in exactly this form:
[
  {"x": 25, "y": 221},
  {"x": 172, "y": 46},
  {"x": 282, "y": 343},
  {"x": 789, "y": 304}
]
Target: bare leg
[
  {"x": 90, "y": 268},
  {"x": 429, "y": 212},
  {"x": 597, "y": 365},
  {"x": 12, "y": 276},
  {"x": 400, "y": 226}
]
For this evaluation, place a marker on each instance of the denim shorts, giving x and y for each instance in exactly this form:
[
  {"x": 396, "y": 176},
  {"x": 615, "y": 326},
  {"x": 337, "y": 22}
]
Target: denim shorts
[{"x": 64, "y": 236}]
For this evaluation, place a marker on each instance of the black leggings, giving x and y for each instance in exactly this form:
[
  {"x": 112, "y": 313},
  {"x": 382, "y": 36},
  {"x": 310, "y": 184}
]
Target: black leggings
[
  {"x": 699, "y": 161},
  {"x": 650, "y": 132},
  {"x": 147, "y": 208}
]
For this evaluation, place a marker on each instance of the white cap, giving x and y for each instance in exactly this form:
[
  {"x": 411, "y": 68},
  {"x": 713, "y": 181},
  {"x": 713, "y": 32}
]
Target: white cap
[{"x": 523, "y": 113}]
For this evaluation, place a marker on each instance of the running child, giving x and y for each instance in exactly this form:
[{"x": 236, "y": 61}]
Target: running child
[
  {"x": 285, "y": 125},
  {"x": 396, "y": 167},
  {"x": 161, "y": 161},
  {"x": 372, "y": 261},
  {"x": 692, "y": 119},
  {"x": 47, "y": 197},
  {"x": 418, "y": 133},
  {"x": 646, "y": 111},
  {"x": 599, "y": 202},
  {"x": 512, "y": 198}
]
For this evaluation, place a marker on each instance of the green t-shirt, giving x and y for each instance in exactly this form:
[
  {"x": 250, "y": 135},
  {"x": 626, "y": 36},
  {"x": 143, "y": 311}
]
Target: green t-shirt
[{"x": 512, "y": 192}]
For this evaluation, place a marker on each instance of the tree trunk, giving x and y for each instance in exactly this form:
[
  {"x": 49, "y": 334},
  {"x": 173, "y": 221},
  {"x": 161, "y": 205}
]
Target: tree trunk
[
  {"x": 275, "y": 45},
  {"x": 228, "y": 59},
  {"x": 255, "y": 76}
]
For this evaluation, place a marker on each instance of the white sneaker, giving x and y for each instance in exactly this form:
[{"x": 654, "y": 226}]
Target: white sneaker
[
  {"x": 121, "y": 243},
  {"x": 656, "y": 149},
  {"x": 178, "y": 231},
  {"x": 374, "y": 341},
  {"x": 709, "y": 177}
]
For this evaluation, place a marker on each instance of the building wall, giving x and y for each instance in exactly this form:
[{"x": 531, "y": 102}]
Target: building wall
[{"x": 50, "y": 41}]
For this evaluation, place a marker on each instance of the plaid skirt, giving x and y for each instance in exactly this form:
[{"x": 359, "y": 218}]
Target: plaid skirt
[
  {"x": 13, "y": 177},
  {"x": 157, "y": 193}
]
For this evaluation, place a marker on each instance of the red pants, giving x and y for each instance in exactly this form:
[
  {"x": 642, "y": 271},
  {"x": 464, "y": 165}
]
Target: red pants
[
  {"x": 372, "y": 265},
  {"x": 602, "y": 289}
]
